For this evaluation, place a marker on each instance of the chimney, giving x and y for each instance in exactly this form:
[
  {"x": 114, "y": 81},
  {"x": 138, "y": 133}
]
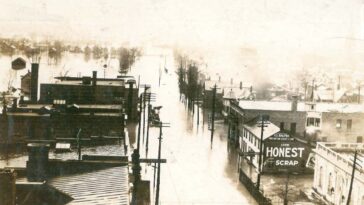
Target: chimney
[
  {"x": 21, "y": 101},
  {"x": 37, "y": 164},
  {"x": 15, "y": 104},
  {"x": 241, "y": 85},
  {"x": 294, "y": 103},
  {"x": 219, "y": 78},
  {"x": 34, "y": 82},
  {"x": 251, "y": 89},
  {"x": 94, "y": 78}
]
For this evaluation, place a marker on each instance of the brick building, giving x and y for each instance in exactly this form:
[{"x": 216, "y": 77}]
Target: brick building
[
  {"x": 308, "y": 120},
  {"x": 96, "y": 106}
]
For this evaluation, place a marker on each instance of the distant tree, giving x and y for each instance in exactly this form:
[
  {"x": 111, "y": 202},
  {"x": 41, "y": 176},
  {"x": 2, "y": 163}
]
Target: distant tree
[
  {"x": 124, "y": 60},
  {"x": 181, "y": 79},
  {"x": 96, "y": 52},
  {"x": 127, "y": 58},
  {"x": 192, "y": 81}
]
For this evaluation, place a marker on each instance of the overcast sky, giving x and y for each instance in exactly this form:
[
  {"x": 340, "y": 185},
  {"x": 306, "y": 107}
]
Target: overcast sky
[
  {"x": 195, "y": 21},
  {"x": 280, "y": 32}
]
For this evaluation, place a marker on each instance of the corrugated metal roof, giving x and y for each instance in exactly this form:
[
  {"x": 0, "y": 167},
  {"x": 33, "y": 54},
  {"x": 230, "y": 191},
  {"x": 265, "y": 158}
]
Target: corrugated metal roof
[{"x": 108, "y": 186}]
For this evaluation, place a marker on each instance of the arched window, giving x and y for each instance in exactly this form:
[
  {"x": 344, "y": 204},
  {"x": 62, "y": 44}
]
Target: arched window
[
  {"x": 320, "y": 177},
  {"x": 330, "y": 188}
]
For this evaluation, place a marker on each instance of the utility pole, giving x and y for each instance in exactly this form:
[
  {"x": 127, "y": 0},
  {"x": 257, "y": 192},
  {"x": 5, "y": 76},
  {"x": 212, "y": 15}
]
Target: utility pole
[
  {"x": 140, "y": 119},
  {"x": 148, "y": 97},
  {"x": 213, "y": 112},
  {"x": 262, "y": 125},
  {"x": 136, "y": 158},
  {"x": 352, "y": 178},
  {"x": 144, "y": 104},
  {"x": 148, "y": 125},
  {"x": 159, "y": 165},
  {"x": 161, "y": 125}
]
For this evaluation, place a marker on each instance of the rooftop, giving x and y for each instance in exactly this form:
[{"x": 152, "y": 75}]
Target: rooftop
[
  {"x": 237, "y": 93},
  {"x": 99, "y": 82},
  {"x": 342, "y": 154},
  {"x": 81, "y": 106},
  {"x": 107, "y": 186},
  {"x": 254, "y": 127},
  {"x": 301, "y": 106}
]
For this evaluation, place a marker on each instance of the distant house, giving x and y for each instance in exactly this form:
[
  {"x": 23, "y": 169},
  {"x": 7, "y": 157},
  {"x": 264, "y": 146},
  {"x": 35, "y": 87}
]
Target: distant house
[{"x": 235, "y": 94}]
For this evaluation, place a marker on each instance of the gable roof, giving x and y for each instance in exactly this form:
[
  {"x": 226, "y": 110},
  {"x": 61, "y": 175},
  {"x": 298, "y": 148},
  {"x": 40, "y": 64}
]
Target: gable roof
[{"x": 253, "y": 126}]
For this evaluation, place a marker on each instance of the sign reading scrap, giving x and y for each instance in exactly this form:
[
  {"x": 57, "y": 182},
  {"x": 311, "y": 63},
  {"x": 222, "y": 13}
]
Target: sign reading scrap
[{"x": 283, "y": 153}]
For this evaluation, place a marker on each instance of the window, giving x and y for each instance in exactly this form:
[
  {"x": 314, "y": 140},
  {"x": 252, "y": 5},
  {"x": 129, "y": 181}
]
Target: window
[
  {"x": 317, "y": 122},
  {"x": 321, "y": 175},
  {"x": 312, "y": 107},
  {"x": 349, "y": 124},
  {"x": 330, "y": 189},
  {"x": 324, "y": 139},
  {"x": 313, "y": 122},
  {"x": 293, "y": 128},
  {"x": 359, "y": 139},
  {"x": 338, "y": 123},
  {"x": 282, "y": 126}
]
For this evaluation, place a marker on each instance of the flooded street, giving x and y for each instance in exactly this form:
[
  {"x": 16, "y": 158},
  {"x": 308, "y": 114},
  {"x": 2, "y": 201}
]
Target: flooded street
[{"x": 197, "y": 171}]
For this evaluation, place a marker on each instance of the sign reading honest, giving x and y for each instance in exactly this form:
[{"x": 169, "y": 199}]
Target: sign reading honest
[{"x": 283, "y": 153}]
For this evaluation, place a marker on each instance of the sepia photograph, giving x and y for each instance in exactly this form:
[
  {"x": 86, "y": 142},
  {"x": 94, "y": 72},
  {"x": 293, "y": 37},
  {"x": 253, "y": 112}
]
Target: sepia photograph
[{"x": 181, "y": 102}]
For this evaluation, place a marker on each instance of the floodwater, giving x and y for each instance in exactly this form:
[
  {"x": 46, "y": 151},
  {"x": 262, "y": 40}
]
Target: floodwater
[{"x": 197, "y": 171}]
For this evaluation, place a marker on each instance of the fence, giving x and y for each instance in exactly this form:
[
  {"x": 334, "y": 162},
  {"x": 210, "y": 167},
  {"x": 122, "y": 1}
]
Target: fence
[{"x": 251, "y": 187}]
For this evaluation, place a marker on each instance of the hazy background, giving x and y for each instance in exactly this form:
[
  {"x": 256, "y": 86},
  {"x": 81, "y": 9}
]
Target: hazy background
[{"x": 231, "y": 36}]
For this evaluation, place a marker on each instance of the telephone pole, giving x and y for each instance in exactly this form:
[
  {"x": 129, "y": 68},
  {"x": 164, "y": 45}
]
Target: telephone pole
[
  {"x": 136, "y": 158},
  {"x": 262, "y": 125},
  {"x": 352, "y": 178},
  {"x": 213, "y": 112},
  {"x": 144, "y": 105},
  {"x": 161, "y": 125}
]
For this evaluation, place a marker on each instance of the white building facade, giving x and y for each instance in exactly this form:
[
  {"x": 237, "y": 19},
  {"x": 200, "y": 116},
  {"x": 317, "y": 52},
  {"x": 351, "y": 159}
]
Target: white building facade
[{"x": 333, "y": 169}]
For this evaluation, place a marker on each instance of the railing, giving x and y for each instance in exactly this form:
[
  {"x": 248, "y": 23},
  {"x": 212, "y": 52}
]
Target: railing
[
  {"x": 329, "y": 151},
  {"x": 251, "y": 187},
  {"x": 341, "y": 145}
]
